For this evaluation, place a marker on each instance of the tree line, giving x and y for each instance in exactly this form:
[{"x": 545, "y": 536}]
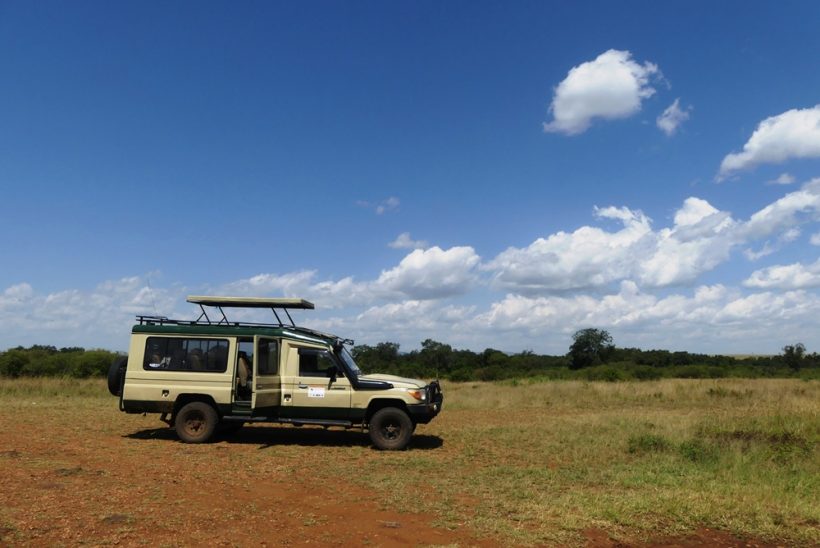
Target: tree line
[
  {"x": 49, "y": 361},
  {"x": 591, "y": 356}
]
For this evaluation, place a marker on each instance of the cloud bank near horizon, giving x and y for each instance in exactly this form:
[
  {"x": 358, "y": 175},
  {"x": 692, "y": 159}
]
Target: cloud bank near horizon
[{"x": 644, "y": 283}]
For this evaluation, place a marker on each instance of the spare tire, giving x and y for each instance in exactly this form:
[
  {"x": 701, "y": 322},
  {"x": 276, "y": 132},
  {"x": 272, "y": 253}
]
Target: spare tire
[{"x": 116, "y": 374}]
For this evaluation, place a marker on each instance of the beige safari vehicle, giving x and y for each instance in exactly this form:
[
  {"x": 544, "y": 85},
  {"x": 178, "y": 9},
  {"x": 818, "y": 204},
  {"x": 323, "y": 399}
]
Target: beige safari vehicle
[{"x": 211, "y": 373}]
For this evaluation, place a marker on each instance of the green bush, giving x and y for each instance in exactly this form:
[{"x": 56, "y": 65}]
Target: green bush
[
  {"x": 648, "y": 443},
  {"x": 646, "y": 373},
  {"x": 606, "y": 373},
  {"x": 697, "y": 450}
]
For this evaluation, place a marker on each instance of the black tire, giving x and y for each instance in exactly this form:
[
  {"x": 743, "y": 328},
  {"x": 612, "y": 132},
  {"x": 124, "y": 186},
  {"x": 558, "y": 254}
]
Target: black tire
[
  {"x": 196, "y": 422},
  {"x": 390, "y": 429},
  {"x": 115, "y": 375}
]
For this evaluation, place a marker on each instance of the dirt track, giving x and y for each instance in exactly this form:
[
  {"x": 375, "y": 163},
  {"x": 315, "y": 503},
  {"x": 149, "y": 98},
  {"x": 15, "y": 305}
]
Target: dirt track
[{"x": 64, "y": 484}]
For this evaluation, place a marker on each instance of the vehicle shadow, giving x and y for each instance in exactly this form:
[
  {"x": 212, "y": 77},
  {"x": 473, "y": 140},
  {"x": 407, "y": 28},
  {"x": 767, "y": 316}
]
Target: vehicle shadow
[{"x": 272, "y": 436}]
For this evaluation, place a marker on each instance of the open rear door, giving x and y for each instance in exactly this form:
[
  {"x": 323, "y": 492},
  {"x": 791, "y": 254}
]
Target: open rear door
[{"x": 267, "y": 383}]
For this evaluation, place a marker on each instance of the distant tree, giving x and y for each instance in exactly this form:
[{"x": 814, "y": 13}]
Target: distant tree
[
  {"x": 793, "y": 355},
  {"x": 590, "y": 347},
  {"x": 13, "y": 362},
  {"x": 436, "y": 356},
  {"x": 388, "y": 352}
]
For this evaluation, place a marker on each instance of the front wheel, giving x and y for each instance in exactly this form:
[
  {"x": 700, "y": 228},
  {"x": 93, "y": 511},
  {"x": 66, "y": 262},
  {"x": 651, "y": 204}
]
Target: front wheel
[
  {"x": 390, "y": 429},
  {"x": 196, "y": 422}
]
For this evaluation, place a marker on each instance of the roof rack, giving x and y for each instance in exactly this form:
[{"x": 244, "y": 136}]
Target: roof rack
[{"x": 220, "y": 303}]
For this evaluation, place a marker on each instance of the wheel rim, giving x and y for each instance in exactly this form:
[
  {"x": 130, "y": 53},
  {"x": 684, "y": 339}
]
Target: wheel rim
[
  {"x": 391, "y": 430},
  {"x": 194, "y": 423}
]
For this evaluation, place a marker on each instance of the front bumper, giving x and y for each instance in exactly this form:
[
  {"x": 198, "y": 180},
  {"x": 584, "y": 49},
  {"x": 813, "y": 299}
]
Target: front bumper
[{"x": 422, "y": 413}]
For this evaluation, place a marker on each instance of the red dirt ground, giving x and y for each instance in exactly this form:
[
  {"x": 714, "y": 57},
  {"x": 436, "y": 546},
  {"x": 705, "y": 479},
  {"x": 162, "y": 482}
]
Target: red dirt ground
[{"x": 145, "y": 488}]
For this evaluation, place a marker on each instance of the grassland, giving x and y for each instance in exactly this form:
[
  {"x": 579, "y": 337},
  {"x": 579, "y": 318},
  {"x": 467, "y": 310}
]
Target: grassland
[{"x": 523, "y": 462}]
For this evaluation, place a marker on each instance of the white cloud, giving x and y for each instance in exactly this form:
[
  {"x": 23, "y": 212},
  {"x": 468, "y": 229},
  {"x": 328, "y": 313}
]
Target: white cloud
[
  {"x": 700, "y": 239},
  {"x": 792, "y": 134},
  {"x": 713, "y": 317},
  {"x": 768, "y": 248},
  {"x": 792, "y": 276},
  {"x": 591, "y": 257},
  {"x": 92, "y": 318},
  {"x": 672, "y": 118},
  {"x": 287, "y": 285},
  {"x": 791, "y": 210},
  {"x": 404, "y": 241},
  {"x": 431, "y": 273},
  {"x": 382, "y": 207},
  {"x": 610, "y": 87},
  {"x": 815, "y": 239},
  {"x": 753, "y": 255},
  {"x": 388, "y": 205},
  {"x": 782, "y": 179},
  {"x": 588, "y": 257}
]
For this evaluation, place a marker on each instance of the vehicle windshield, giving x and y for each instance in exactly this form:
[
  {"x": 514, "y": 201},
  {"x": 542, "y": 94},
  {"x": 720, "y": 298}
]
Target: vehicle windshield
[{"x": 351, "y": 363}]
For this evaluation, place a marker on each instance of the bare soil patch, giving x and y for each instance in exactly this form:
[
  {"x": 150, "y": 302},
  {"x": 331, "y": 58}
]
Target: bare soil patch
[{"x": 142, "y": 487}]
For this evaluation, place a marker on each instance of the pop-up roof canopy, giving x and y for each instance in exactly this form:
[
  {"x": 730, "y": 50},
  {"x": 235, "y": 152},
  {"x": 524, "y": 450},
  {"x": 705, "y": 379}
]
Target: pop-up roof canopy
[{"x": 249, "y": 302}]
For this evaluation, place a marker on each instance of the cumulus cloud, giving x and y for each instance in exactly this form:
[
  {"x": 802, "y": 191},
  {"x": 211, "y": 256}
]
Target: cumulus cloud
[
  {"x": 404, "y": 241},
  {"x": 431, "y": 273},
  {"x": 591, "y": 257},
  {"x": 782, "y": 179},
  {"x": 789, "y": 211},
  {"x": 587, "y": 257},
  {"x": 671, "y": 118},
  {"x": 700, "y": 238},
  {"x": 791, "y": 276},
  {"x": 792, "y": 134},
  {"x": 610, "y": 87}
]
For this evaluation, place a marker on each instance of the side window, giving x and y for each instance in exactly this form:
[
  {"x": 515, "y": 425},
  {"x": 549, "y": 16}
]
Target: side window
[
  {"x": 314, "y": 363},
  {"x": 246, "y": 349},
  {"x": 268, "y": 357},
  {"x": 182, "y": 354}
]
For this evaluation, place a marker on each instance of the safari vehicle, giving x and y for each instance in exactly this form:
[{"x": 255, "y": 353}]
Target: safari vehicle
[{"x": 210, "y": 374}]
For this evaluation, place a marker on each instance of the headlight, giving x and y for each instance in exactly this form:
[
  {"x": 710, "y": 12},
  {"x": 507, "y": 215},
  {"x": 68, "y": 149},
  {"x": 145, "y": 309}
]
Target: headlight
[{"x": 418, "y": 393}]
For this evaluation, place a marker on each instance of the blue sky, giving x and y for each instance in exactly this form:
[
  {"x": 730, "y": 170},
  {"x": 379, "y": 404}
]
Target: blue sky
[{"x": 483, "y": 174}]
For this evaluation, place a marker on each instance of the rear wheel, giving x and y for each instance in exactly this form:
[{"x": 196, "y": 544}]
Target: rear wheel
[
  {"x": 391, "y": 429},
  {"x": 196, "y": 422}
]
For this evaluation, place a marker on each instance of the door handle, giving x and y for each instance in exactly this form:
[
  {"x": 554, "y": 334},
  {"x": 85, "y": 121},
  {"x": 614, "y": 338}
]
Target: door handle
[{"x": 302, "y": 385}]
